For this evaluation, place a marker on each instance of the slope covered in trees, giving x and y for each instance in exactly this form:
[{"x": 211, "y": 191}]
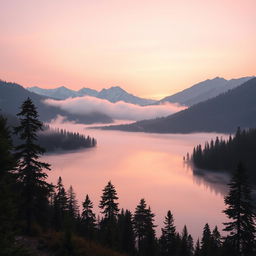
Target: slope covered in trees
[
  {"x": 55, "y": 139},
  {"x": 223, "y": 113},
  {"x": 226, "y": 154}
]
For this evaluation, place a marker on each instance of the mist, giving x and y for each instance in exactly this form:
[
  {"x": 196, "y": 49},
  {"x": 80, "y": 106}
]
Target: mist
[{"x": 119, "y": 110}]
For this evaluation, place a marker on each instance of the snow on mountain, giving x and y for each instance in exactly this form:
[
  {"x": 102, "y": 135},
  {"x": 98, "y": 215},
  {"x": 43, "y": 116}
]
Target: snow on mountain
[
  {"x": 205, "y": 90},
  {"x": 112, "y": 94},
  {"x": 116, "y": 93}
]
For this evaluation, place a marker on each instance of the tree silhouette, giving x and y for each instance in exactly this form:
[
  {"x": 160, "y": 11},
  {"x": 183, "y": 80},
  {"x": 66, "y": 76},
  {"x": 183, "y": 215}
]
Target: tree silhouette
[
  {"x": 88, "y": 219},
  {"x": 240, "y": 211},
  {"x": 34, "y": 188},
  {"x": 168, "y": 241}
]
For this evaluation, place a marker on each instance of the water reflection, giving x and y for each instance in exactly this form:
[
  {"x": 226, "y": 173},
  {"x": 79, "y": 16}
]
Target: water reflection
[
  {"x": 215, "y": 181},
  {"x": 146, "y": 166}
]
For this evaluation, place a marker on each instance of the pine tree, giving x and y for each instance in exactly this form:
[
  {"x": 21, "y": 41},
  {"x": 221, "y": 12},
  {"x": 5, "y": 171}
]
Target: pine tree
[
  {"x": 168, "y": 243},
  {"x": 216, "y": 240},
  {"x": 206, "y": 243},
  {"x": 60, "y": 206},
  {"x": 241, "y": 213},
  {"x": 73, "y": 209},
  {"x": 108, "y": 225},
  {"x": 197, "y": 251},
  {"x": 34, "y": 188},
  {"x": 7, "y": 198},
  {"x": 125, "y": 232},
  {"x": 186, "y": 248},
  {"x": 108, "y": 202},
  {"x": 88, "y": 219},
  {"x": 144, "y": 229}
]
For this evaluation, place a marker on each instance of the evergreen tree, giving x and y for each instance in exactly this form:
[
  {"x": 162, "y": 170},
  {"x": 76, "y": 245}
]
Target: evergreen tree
[
  {"x": 168, "y": 243},
  {"x": 34, "y": 188},
  {"x": 206, "y": 243},
  {"x": 185, "y": 243},
  {"x": 88, "y": 219},
  {"x": 108, "y": 202},
  {"x": 7, "y": 199},
  {"x": 126, "y": 235},
  {"x": 73, "y": 209},
  {"x": 108, "y": 225},
  {"x": 241, "y": 213},
  {"x": 144, "y": 229},
  {"x": 216, "y": 240},
  {"x": 197, "y": 251},
  {"x": 60, "y": 205}
]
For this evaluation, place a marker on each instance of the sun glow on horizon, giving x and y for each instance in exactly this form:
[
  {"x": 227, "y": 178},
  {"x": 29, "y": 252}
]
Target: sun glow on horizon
[{"x": 146, "y": 47}]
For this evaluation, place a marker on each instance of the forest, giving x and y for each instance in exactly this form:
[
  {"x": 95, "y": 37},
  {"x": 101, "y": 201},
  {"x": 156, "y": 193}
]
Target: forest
[
  {"x": 226, "y": 154},
  {"x": 39, "y": 218},
  {"x": 60, "y": 139}
]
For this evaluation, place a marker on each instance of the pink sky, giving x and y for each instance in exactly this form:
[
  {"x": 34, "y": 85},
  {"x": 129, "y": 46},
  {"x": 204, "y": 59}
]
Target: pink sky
[{"x": 150, "y": 48}]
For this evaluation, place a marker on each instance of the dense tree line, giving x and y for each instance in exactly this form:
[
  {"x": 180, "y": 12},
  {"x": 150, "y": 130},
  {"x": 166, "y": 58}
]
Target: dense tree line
[
  {"x": 60, "y": 139},
  {"x": 226, "y": 154},
  {"x": 33, "y": 208}
]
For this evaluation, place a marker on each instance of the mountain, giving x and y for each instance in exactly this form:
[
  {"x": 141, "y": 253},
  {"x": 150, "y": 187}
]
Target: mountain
[
  {"x": 12, "y": 95},
  {"x": 224, "y": 113},
  {"x": 88, "y": 91},
  {"x": 112, "y": 94},
  {"x": 205, "y": 90},
  {"x": 116, "y": 93},
  {"x": 60, "y": 93}
]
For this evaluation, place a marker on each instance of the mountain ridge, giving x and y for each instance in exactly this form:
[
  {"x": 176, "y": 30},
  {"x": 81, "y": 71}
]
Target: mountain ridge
[
  {"x": 223, "y": 113},
  {"x": 204, "y": 90},
  {"x": 112, "y": 94}
]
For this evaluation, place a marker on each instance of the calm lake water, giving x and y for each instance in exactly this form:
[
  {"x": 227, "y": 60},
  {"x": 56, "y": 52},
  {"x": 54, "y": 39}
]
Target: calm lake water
[{"x": 146, "y": 166}]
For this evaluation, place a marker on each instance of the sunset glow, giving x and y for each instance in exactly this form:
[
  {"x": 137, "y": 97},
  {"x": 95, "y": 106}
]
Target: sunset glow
[{"x": 150, "y": 48}]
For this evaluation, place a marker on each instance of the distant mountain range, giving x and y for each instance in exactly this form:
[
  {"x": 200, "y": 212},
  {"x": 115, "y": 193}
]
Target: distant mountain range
[
  {"x": 12, "y": 95},
  {"x": 112, "y": 94},
  {"x": 204, "y": 90},
  {"x": 224, "y": 113},
  {"x": 197, "y": 93}
]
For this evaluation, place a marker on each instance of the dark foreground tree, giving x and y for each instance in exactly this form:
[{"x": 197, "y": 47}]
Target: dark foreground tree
[
  {"x": 110, "y": 211},
  {"x": 7, "y": 200},
  {"x": 60, "y": 206},
  {"x": 168, "y": 239},
  {"x": 88, "y": 219},
  {"x": 240, "y": 211},
  {"x": 31, "y": 172},
  {"x": 144, "y": 229}
]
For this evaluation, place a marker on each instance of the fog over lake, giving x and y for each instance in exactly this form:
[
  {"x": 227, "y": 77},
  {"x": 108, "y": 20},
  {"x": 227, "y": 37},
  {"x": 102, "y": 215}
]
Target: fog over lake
[{"x": 146, "y": 166}]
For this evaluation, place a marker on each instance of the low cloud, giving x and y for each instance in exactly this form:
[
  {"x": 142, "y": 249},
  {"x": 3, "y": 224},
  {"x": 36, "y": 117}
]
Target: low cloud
[{"x": 119, "y": 111}]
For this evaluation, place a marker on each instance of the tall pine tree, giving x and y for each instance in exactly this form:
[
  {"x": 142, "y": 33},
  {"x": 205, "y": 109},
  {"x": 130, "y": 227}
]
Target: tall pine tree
[
  {"x": 144, "y": 229},
  {"x": 7, "y": 198},
  {"x": 31, "y": 172},
  {"x": 88, "y": 219},
  {"x": 168, "y": 241},
  {"x": 109, "y": 206},
  {"x": 241, "y": 213}
]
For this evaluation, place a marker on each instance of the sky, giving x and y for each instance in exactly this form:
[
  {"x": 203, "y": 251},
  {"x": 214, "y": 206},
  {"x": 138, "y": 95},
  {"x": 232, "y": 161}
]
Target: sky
[{"x": 149, "y": 48}]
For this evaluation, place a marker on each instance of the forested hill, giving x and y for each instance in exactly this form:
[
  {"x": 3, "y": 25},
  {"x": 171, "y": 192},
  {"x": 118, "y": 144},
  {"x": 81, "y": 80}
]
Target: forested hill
[
  {"x": 12, "y": 95},
  {"x": 226, "y": 154},
  {"x": 54, "y": 139},
  {"x": 223, "y": 113}
]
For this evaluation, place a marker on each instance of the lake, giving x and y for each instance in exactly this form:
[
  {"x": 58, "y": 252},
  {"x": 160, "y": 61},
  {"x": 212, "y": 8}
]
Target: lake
[{"x": 146, "y": 166}]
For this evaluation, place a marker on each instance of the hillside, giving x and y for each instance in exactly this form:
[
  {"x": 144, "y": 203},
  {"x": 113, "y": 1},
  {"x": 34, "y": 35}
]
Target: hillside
[
  {"x": 223, "y": 113},
  {"x": 204, "y": 90},
  {"x": 12, "y": 95}
]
